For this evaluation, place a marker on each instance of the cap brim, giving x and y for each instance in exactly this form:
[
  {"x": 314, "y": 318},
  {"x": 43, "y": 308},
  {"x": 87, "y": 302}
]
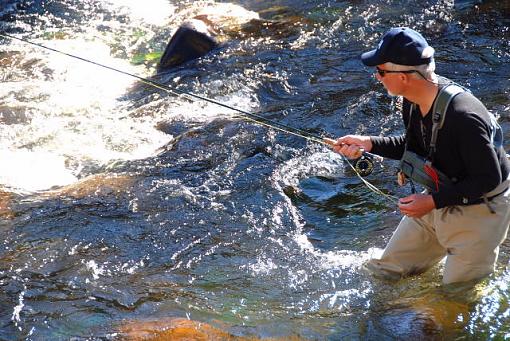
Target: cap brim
[{"x": 371, "y": 58}]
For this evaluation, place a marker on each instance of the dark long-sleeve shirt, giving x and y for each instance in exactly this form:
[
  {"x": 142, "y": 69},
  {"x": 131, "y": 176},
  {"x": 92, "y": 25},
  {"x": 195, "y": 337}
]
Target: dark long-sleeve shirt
[{"x": 464, "y": 151}]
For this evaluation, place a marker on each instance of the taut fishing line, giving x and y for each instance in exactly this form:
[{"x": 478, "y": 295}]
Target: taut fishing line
[{"x": 362, "y": 167}]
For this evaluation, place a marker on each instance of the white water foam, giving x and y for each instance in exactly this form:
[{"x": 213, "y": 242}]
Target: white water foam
[
  {"x": 155, "y": 12},
  {"x": 74, "y": 115},
  {"x": 33, "y": 171}
]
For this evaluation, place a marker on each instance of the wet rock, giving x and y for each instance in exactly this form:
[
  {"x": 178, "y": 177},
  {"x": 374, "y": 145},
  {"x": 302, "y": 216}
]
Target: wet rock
[
  {"x": 110, "y": 186},
  {"x": 14, "y": 115},
  {"x": 426, "y": 318},
  {"x": 216, "y": 23},
  {"x": 192, "y": 40},
  {"x": 171, "y": 329},
  {"x": 5, "y": 205},
  {"x": 96, "y": 185},
  {"x": 174, "y": 128},
  {"x": 465, "y": 4},
  {"x": 206, "y": 27},
  {"x": 222, "y": 18},
  {"x": 495, "y": 5},
  {"x": 209, "y": 141},
  {"x": 179, "y": 329}
]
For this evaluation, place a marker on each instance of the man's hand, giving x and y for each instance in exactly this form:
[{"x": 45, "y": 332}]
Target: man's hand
[
  {"x": 352, "y": 146},
  {"x": 416, "y": 205}
]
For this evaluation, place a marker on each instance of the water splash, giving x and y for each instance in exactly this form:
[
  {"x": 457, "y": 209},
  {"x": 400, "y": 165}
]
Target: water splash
[
  {"x": 73, "y": 118},
  {"x": 17, "y": 310},
  {"x": 155, "y": 13},
  {"x": 33, "y": 171}
]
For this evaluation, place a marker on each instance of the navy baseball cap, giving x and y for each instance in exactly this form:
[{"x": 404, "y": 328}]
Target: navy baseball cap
[{"x": 400, "y": 45}]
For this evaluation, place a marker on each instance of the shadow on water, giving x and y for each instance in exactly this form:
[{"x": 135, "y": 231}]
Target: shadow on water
[{"x": 249, "y": 231}]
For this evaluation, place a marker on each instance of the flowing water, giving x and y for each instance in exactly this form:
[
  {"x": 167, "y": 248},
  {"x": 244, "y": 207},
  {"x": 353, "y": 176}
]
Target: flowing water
[{"x": 120, "y": 202}]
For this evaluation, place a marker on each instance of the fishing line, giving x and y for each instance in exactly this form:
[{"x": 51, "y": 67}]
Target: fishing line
[
  {"x": 245, "y": 114},
  {"x": 257, "y": 118}
]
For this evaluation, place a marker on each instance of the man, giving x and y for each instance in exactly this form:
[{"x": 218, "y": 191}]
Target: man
[{"x": 466, "y": 218}]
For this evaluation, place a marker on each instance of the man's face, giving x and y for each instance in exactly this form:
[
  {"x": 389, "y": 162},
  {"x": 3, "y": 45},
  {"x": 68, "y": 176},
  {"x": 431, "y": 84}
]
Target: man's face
[{"x": 390, "y": 80}]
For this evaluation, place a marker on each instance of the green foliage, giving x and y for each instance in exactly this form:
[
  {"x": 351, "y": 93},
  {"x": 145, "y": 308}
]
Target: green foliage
[
  {"x": 60, "y": 35},
  {"x": 141, "y": 58}
]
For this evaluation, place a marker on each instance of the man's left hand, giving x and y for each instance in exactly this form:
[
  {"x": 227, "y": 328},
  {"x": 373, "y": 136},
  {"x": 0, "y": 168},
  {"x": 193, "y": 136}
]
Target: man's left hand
[{"x": 416, "y": 205}]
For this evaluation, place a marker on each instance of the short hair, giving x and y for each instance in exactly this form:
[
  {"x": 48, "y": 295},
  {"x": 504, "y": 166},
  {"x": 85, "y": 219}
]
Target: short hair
[{"x": 426, "y": 71}]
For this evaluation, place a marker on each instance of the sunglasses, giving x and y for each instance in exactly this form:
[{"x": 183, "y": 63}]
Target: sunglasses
[{"x": 382, "y": 73}]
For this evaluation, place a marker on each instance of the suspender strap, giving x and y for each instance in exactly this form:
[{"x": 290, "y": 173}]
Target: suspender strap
[
  {"x": 445, "y": 96},
  {"x": 408, "y": 128}
]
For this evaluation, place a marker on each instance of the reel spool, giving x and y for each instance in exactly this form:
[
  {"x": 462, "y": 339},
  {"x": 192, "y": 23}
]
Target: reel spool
[{"x": 364, "y": 165}]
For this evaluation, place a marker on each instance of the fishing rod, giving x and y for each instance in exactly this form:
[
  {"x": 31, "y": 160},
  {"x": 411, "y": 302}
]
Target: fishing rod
[
  {"x": 363, "y": 166},
  {"x": 259, "y": 119}
]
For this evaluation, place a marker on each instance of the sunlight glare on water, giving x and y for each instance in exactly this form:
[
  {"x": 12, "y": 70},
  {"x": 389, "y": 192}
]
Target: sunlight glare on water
[
  {"x": 77, "y": 119},
  {"x": 156, "y": 12},
  {"x": 32, "y": 171},
  {"x": 81, "y": 85}
]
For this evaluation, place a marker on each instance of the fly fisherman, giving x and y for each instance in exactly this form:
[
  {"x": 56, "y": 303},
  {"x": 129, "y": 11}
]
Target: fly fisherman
[{"x": 453, "y": 147}]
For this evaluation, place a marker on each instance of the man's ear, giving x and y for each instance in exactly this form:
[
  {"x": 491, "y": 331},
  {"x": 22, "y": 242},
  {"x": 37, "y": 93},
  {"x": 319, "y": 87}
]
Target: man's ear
[{"x": 404, "y": 77}]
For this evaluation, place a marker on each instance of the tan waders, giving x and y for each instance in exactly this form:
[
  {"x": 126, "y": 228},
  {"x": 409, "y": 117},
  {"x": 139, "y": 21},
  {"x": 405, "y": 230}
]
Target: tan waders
[{"x": 469, "y": 237}]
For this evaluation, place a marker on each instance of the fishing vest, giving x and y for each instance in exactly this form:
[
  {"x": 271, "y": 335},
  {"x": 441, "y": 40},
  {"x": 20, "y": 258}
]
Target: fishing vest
[{"x": 420, "y": 169}]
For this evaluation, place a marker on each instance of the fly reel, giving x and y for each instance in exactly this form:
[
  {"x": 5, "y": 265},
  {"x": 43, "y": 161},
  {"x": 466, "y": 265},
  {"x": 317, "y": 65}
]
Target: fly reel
[{"x": 364, "y": 165}]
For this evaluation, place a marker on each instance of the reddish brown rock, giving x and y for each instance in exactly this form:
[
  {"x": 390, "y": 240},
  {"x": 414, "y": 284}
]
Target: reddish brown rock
[{"x": 179, "y": 329}]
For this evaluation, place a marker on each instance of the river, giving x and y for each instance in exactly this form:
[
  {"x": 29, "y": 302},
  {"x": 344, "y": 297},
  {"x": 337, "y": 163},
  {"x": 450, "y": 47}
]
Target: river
[{"x": 122, "y": 203}]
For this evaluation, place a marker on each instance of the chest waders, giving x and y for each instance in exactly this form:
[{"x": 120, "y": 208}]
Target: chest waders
[{"x": 420, "y": 169}]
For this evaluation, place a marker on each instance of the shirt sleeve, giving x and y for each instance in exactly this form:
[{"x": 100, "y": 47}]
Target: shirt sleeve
[{"x": 391, "y": 147}]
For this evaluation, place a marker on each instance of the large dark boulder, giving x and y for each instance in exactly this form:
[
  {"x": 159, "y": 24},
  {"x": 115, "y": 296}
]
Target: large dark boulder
[{"x": 192, "y": 40}]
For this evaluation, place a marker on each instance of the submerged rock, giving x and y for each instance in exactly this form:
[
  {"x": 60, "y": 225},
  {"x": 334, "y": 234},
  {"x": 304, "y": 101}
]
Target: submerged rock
[
  {"x": 179, "y": 329},
  {"x": 465, "y": 4},
  {"x": 5, "y": 205},
  {"x": 431, "y": 317},
  {"x": 112, "y": 186},
  {"x": 96, "y": 185},
  {"x": 171, "y": 329}
]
